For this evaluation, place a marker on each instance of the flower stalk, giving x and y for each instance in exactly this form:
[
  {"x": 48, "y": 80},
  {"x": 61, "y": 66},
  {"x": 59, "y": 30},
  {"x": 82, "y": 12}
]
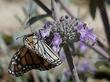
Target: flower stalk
[
  {"x": 70, "y": 63},
  {"x": 65, "y": 46},
  {"x": 104, "y": 16},
  {"x": 44, "y": 7},
  {"x": 54, "y": 9}
]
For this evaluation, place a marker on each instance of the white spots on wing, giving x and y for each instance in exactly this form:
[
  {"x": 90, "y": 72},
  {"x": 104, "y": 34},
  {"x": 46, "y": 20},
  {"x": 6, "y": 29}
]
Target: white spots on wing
[
  {"x": 12, "y": 72},
  {"x": 24, "y": 68},
  {"x": 9, "y": 71},
  {"x": 14, "y": 63},
  {"x": 35, "y": 39}
]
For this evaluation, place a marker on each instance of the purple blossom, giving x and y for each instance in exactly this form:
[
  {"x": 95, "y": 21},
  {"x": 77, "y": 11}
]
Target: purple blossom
[
  {"x": 82, "y": 47},
  {"x": 45, "y": 32},
  {"x": 47, "y": 25},
  {"x": 85, "y": 65},
  {"x": 57, "y": 40},
  {"x": 87, "y": 34}
]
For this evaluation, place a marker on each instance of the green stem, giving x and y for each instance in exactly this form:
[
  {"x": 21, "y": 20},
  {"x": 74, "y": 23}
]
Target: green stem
[{"x": 46, "y": 9}]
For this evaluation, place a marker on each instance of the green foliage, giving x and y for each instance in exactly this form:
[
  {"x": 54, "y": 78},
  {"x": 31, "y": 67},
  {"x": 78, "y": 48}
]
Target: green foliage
[
  {"x": 35, "y": 19},
  {"x": 19, "y": 19},
  {"x": 1, "y": 71},
  {"x": 21, "y": 79},
  {"x": 92, "y": 8},
  {"x": 8, "y": 39}
]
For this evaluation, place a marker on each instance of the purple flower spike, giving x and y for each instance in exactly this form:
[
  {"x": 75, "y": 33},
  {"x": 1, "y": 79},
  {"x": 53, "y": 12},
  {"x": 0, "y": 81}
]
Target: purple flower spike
[
  {"x": 57, "y": 40},
  {"x": 45, "y": 32},
  {"x": 48, "y": 24},
  {"x": 87, "y": 34},
  {"x": 67, "y": 74},
  {"x": 85, "y": 65},
  {"x": 82, "y": 47}
]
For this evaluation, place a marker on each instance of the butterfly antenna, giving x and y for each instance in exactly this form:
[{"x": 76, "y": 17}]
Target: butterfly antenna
[{"x": 19, "y": 37}]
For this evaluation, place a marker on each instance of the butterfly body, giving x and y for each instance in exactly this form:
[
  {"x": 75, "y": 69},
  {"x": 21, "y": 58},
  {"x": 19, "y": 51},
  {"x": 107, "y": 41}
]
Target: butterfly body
[{"x": 41, "y": 48}]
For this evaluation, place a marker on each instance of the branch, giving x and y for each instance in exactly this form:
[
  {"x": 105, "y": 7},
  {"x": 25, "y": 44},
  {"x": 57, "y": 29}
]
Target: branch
[
  {"x": 70, "y": 63},
  {"x": 105, "y": 19},
  {"x": 65, "y": 8},
  {"x": 54, "y": 8},
  {"x": 46, "y": 9},
  {"x": 35, "y": 19},
  {"x": 99, "y": 50}
]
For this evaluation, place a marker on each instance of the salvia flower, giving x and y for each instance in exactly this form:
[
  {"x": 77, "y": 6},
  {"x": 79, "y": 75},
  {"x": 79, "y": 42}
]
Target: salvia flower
[
  {"x": 65, "y": 27},
  {"x": 82, "y": 47},
  {"x": 45, "y": 32},
  {"x": 57, "y": 40},
  {"x": 87, "y": 34},
  {"x": 67, "y": 74},
  {"x": 85, "y": 66},
  {"x": 70, "y": 29}
]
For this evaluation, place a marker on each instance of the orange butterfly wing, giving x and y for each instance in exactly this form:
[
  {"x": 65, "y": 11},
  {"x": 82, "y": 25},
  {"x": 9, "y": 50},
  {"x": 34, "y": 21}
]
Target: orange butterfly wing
[{"x": 25, "y": 60}]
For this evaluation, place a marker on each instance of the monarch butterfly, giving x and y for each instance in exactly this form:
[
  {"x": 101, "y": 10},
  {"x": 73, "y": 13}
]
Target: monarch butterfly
[
  {"x": 26, "y": 59},
  {"x": 37, "y": 45}
]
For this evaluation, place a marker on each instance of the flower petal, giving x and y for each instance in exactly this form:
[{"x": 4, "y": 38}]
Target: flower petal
[
  {"x": 87, "y": 34},
  {"x": 57, "y": 40}
]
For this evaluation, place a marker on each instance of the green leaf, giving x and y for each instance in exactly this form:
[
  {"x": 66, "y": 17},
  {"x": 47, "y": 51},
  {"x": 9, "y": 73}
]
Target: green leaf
[
  {"x": 92, "y": 8},
  {"x": 8, "y": 39},
  {"x": 18, "y": 19},
  {"x": 25, "y": 11},
  {"x": 35, "y": 19}
]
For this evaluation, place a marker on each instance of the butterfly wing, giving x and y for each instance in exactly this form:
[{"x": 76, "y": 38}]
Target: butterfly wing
[
  {"x": 40, "y": 47},
  {"x": 25, "y": 60}
]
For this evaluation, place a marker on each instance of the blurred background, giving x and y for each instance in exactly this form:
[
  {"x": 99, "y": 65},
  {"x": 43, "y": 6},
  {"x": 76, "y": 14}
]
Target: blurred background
[{"x": 13, "y": 16}]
